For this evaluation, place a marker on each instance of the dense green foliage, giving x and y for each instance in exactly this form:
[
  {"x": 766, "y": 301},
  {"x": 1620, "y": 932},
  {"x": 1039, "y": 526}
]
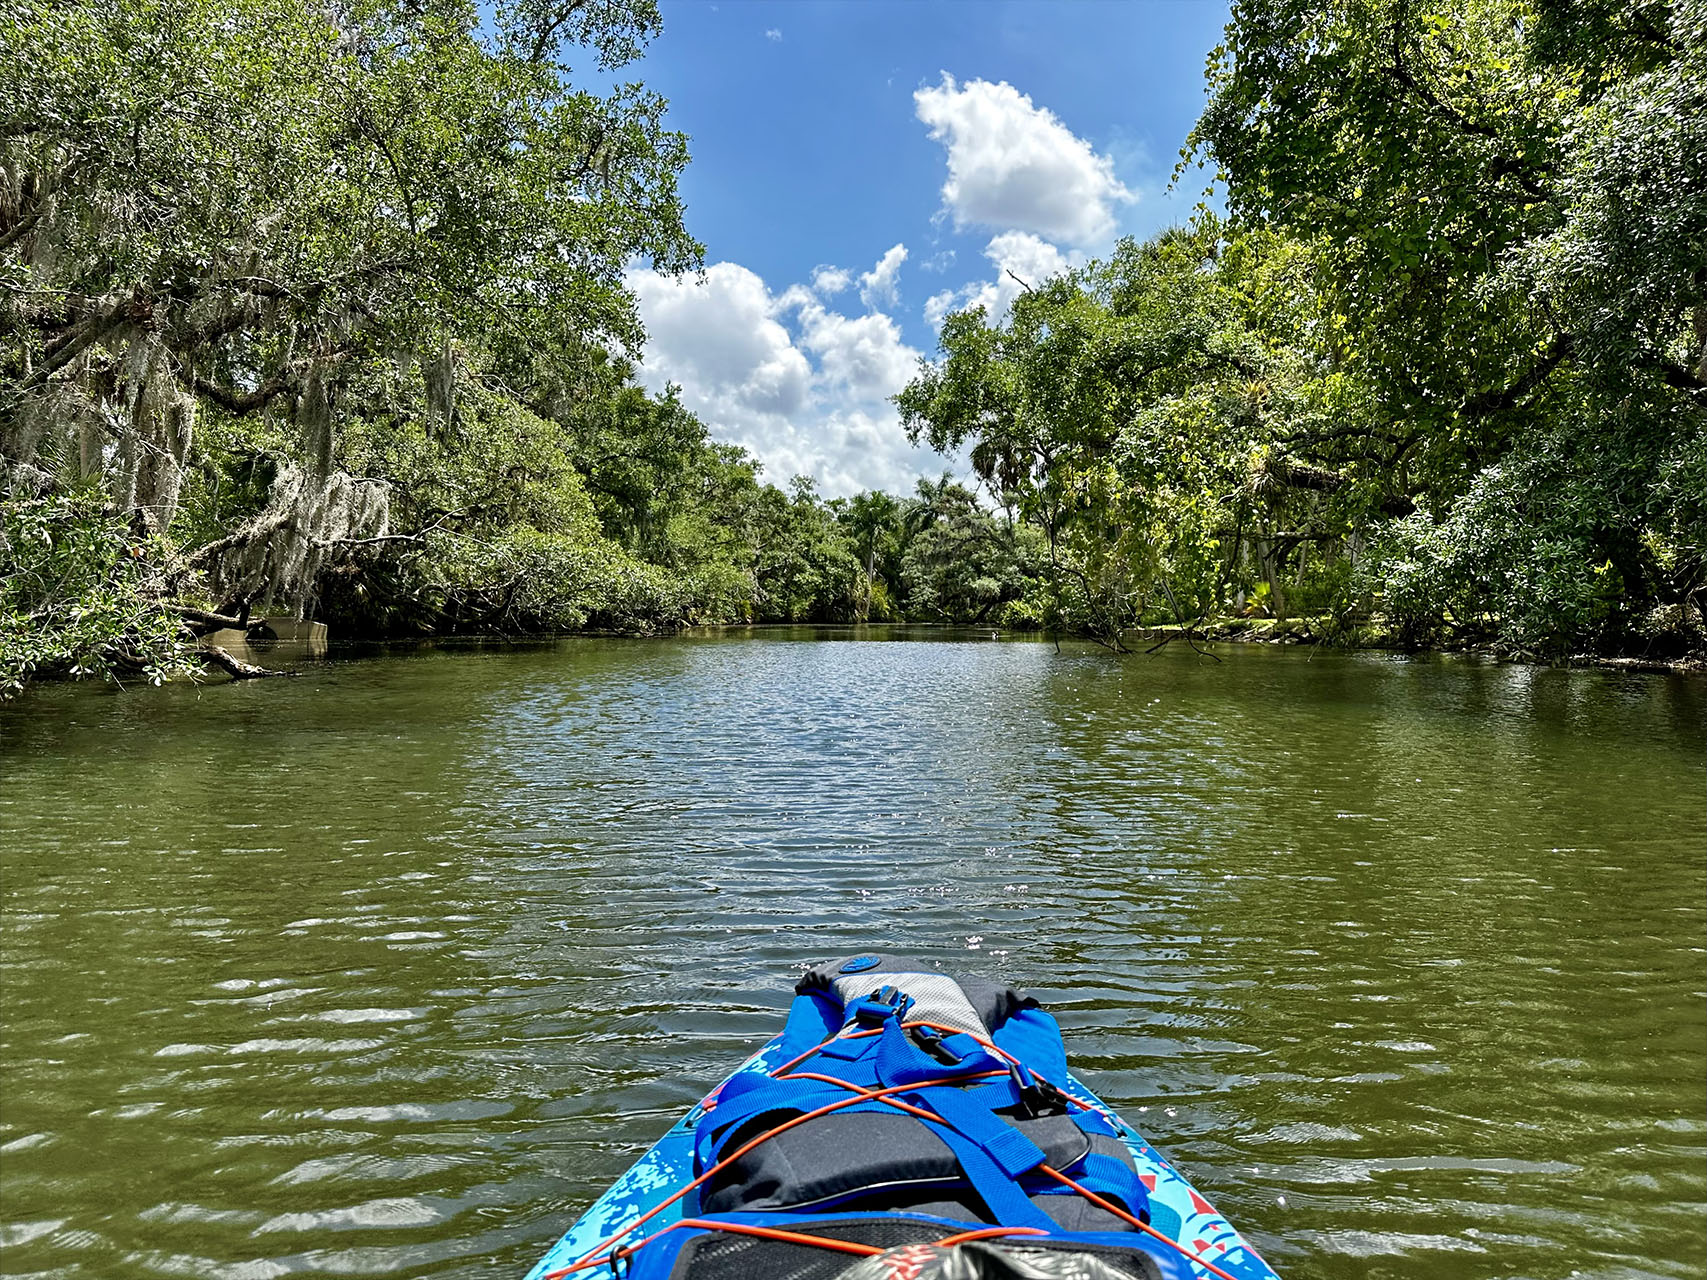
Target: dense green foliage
[
  {"x": 1446, "y": 362},
  {"x": 264, "y": 264},
  {"x": 77, "y": 596},
  {"x": 322, "y": 311},
  {"x": 1127, "y": 411}
]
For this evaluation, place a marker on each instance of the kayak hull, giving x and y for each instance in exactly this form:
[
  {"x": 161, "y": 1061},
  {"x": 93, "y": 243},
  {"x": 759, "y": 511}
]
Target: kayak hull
[{"x": 1177, "y": 1209}]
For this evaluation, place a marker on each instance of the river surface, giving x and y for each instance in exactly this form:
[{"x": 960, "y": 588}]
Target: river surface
[{"x": 389, "y": 970}]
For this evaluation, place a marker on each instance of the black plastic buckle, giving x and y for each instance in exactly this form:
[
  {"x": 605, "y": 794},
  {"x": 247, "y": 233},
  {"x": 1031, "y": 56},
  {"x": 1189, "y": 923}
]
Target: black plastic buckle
[
  {"x": 1037, "y": 1097},
  {"x": 931, "y": 1041},
  {"x": 881, "y": 1005}
]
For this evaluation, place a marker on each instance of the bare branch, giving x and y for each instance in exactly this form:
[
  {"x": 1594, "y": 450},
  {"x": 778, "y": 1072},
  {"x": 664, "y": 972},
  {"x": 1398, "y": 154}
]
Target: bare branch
[
  {"x": 248, "y": 533},
  {"x": 1301, "y": 475},
  {"x": 235, "y": 668},
  {"x": 548, "y": 33},
  {"x": 1484, "y": 402},
  {"x": 239, "y": 402}
]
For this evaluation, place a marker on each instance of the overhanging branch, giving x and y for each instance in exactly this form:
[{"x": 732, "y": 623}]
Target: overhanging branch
[
  {"x": 1495, "y": 400},
  {"x": 1301, "y": 475}
]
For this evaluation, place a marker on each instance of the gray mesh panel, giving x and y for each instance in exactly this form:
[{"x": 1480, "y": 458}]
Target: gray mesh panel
[{"x": 936, "y": 997}]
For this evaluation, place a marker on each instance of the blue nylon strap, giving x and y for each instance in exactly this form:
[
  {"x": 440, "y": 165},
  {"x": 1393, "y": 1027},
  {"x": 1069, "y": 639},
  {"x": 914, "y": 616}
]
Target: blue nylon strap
[
  {"x": 766, "y": 1095},
  {"x": 965, "y": 1044},
  {"x": 900, "y": 1061},
  {"x": 845, "y": 1049},
  {"x": 1107, "y": 1172},
  {"x": 711, "y": 1137},
  {"x": 993, "y": 1094},
  {"x": 1033, "y": 1037},
  {"x": 873, "y": 1009},
  {"x": 810, "y": 1020},
  {"x": 1007, "y": 1203},
  {"x": 992, "y": 1153},
  {"x": 971, "y": 1117},
  {"x": 1092, "y": 1122}
]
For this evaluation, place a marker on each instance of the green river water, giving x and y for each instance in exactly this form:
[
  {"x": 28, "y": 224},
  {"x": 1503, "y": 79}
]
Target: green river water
[{"x": 390, "y": 969}]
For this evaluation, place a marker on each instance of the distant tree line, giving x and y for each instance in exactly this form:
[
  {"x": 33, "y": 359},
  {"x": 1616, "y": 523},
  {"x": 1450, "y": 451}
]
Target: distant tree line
[{"x": 321, "y": 309}]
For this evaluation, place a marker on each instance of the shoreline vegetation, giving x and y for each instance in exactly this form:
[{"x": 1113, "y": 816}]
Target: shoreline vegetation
[
  {"x": 325, "y": 315},
  {"x": 1376, "y": 636},
  {"x": 1368, "y": 636}
]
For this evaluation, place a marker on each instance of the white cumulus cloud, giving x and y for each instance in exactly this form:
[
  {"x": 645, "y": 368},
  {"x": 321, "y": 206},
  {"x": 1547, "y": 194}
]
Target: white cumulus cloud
[
  {"x": 744, "y": 363},
  {"x": 877, "y": 286},
  {"x": 1014, "y": 254},
  {"x": 863, "y": 356},
  {"x": 1015, "y": 166},
  {"x": 803, "y": 387},
  {"x": 829, "y": 281}
]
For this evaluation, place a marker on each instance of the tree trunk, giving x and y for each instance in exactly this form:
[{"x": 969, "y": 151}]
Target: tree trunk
[
  {"x": 1701, "y": 342},
  {"x": 1268, "y": 560}
]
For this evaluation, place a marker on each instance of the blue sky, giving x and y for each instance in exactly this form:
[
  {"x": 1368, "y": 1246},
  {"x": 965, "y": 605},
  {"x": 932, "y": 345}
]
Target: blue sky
[{"x": 859, "y": 169}]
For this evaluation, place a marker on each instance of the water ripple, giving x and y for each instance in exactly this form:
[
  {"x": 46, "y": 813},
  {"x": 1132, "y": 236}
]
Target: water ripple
[{"x": 390, "y": 970}]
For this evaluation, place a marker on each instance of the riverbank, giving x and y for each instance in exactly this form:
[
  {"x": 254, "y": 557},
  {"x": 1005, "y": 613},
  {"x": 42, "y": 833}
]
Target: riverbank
[
  {"x": 279, "y": 652},
  {"x": 1375, "y": 636},
  {"x": 1262, "y": 631}
]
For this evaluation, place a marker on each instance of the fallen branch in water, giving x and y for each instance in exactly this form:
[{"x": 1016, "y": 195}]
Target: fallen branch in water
[
  {"x": 236, "y": 669},
  {"x": 1185, "y": 629}
]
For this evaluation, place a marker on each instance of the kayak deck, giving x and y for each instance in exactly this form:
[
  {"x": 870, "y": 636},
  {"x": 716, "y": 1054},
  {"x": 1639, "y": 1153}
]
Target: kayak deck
[{"x": 1178, "y": 1211}]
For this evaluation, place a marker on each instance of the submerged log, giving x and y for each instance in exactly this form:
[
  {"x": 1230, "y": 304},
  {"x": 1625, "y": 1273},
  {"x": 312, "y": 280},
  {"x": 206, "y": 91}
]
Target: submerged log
[{"x": 235, "y": 668}]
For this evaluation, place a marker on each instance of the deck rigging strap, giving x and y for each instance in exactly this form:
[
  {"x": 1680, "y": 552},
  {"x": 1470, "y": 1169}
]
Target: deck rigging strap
[
  {"x": 983, "y": 1118},
  {"x": 929, "y": 1078}
]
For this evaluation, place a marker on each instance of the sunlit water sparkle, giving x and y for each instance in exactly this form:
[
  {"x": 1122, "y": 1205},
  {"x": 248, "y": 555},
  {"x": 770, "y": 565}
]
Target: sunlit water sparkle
[{"x": 389, "y": 970}]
